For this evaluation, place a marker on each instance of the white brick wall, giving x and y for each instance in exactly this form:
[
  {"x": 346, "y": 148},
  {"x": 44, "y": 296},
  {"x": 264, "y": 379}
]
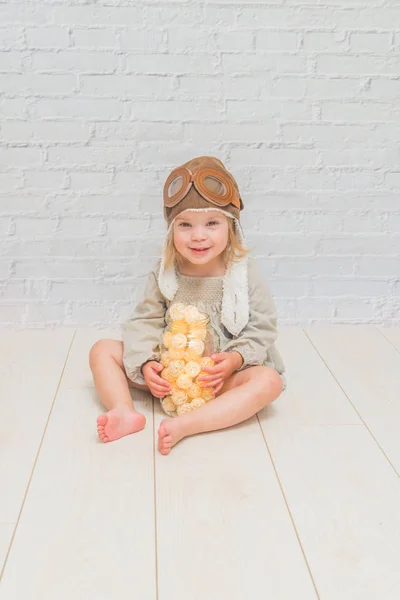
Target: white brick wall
[{"x": 99, "y": 101}]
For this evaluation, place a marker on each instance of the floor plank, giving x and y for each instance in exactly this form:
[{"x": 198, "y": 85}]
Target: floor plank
[
  {"x": 6, "y": 532},
  {"x": 223, "y": 529},
  {"x": 87, "y": 528},
  {"x": 342, "y": 492},
  {"x": 368, "y": 368},
  {"x": 392, "y": 334},
  {"x": 31, "y": 364}
]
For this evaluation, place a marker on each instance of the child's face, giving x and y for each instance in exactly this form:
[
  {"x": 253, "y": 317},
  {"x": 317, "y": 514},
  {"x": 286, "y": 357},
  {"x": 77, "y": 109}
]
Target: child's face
[{"x": 194, "y": 230}]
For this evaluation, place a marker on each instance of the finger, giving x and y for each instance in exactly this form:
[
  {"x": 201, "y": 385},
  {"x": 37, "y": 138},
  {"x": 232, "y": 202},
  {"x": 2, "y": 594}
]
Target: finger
[
  {"x": 218, "y": 387},
  {"x": 159, "y": 380},
  {"x": 211, "y": 369},
  {"x": 206, "y": 378},
  {"x": 220, "y": 356},
  {"x": 212, "y": 383},
  {"x": 159, "y": 390}
]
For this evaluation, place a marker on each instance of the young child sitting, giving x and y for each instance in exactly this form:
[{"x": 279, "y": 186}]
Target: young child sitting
[{"x": 204, "y": 263}]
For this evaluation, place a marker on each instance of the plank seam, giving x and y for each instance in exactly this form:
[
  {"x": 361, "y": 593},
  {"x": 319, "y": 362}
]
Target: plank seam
[
  {"x": 355, "y": 409},
  {"x": 37, "y": 457},
  {"x": 287, "y": 507}
]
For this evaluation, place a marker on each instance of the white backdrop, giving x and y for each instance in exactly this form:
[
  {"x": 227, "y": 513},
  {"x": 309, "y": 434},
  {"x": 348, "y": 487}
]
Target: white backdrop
[{"x": 98, "y": 102}]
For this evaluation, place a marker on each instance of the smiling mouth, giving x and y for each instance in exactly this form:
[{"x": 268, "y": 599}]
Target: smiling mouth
[{"x": 199, "y": 250}]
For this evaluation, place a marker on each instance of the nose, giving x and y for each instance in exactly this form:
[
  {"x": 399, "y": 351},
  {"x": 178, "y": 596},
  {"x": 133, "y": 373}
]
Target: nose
[{"x": 198, "y": 233}]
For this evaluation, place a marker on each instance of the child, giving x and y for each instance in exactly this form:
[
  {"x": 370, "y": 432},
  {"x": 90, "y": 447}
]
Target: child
[{"x": 204, "y": 262}]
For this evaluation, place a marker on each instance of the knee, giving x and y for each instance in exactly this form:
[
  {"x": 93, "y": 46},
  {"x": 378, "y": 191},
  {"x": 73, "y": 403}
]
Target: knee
[
  {"x": 101, "y": 349},
  {"x": 270, "y": 382}
]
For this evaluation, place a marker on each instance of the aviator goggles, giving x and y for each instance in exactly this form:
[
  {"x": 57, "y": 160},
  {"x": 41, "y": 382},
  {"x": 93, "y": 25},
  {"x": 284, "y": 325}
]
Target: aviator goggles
[{"x": 214, "y": 185}]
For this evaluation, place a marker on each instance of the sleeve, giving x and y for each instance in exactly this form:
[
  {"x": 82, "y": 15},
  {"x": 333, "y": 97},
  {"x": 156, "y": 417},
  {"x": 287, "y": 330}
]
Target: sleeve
[
  {"x": 141, "y": 334},
  {"x": 261, "y": 330}
]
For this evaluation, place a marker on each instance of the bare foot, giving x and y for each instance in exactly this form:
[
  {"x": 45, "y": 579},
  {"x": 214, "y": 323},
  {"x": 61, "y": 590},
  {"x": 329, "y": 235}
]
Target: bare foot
[
  {"x": 119, "y": 422},
  {"x": 170, "y": 433}
]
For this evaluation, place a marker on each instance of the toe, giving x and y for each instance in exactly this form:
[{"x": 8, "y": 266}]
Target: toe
[{"x": 102, "y": 420}]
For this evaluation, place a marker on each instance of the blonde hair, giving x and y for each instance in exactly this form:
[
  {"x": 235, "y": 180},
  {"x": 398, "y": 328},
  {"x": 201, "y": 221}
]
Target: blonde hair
[{"x": 234, "y": 251}]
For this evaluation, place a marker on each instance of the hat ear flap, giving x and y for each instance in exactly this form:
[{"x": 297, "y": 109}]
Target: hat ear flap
[{"x": 241, "y": 203}]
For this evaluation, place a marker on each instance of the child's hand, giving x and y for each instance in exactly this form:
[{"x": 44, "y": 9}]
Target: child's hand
[
  {"x": 156, "y": 384},
  {"x": 225, "y": 364}
]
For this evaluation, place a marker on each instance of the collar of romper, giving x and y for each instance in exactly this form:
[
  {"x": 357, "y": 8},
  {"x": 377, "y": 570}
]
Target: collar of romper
[{"x": 235, "y": 297}]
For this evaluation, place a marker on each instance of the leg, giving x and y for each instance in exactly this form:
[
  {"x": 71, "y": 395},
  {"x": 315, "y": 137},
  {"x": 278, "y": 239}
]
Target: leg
[
  {"x": 242, "y": 396},
  {"x": 111, "y": 383}
]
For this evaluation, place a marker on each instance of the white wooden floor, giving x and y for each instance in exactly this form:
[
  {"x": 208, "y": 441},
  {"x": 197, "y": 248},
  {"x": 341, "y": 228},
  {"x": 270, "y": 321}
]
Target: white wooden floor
[{"x": 299, "y": 503}]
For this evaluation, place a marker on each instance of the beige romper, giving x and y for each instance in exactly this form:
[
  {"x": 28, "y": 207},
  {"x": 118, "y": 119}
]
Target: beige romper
[{"x": 141, "y": 334}]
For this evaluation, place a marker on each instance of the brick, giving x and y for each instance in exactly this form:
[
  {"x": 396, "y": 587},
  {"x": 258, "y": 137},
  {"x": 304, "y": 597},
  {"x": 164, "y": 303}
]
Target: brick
[
  {"x": 95, "y": 62},
  {"x": 19, "y": 157},
  {"x": 61, "y": 269},
  {"x": 40, "y": 180},
  {"x": 371, "y": 266},
  {"x": 358, "y": 65},
  {"x": 11, "y": 37},
  {"x": 294, "y": 266},
  {"x": 392, "y": 180},
  {"x": 120, "y": 85},
  {"x": 44, "y": 131},
  {"x": 91, "y": 291},
  {"x": 128, "y": 227},
  {"x": 323, "y": 41},
  {"x": 234, "y": 41},
  {"x": 366, "y": 287},
  {"x": 373, "y": 222},
  {"x": 143, "y": 40},
  {"x": 9, "y": 182},
  {"x": 92, "y": 15},
  {"x": 274, "y": 156},
  {"x": 38, "y": 85},
  {"x": 10, "y": 205},
  {"x": 353, "y": 309},
  {"x": 279, "y": 41},
  {"x": 286, "y": 17},
  {"x": 91, "y": 313},
  {"x": 12, "y": 314},
  {"x": 356, "y": 111},
  {"x": 5, "y": 226},
  {"x": 13, "y": 14},
  {"x": 260, "y": 62},
  {"x": 393, "y": 223},
  {"x": 367, "y": 18},
  {"x": 15, "y": 108},
  {"x": 62, "y": 156},
  {"x": 46, "y": 313},
  {"x": 175, "y": 64},
  {"x": 92, "y": 110},
  {"x": 103, "y": 37},
  {"x": 87, "y": 180},
  {"x": 361, "y": 157},
  {"x": 256, "y": 110},
  {"x": 360, "y": 245},
  {"x": 87, "y": 226},
  {"x": 10, "y": 62},
  {"x": 47, "y": 37},
  {"x": 175, "y": 111},
  {"x": 33, "y": 227},
  {"x": 231, "y": 132},
  {"x": 379, "y": 43}
]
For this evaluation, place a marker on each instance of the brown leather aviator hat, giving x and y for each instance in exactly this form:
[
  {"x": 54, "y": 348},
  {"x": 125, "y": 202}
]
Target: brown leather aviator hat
[
  {"x": 204, "y": 184},
  {"x": 201, "y": 183}
]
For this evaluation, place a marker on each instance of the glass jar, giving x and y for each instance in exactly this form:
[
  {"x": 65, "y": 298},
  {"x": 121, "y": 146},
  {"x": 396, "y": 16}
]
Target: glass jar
[{"x": 186, "y": 346}]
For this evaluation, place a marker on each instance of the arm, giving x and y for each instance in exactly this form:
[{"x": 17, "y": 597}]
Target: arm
[
  {"x": 141, "y": 333},
  {"x": 260, "y": 332}
]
